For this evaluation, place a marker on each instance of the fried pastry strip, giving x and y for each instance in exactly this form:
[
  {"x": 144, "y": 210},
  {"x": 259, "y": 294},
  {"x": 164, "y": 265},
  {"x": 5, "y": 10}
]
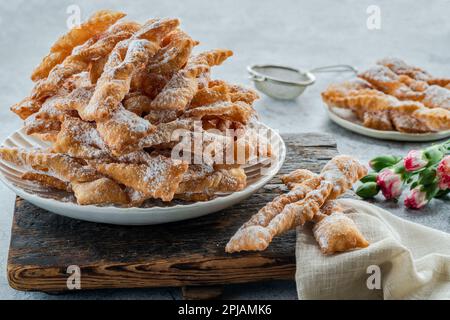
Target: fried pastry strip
[
  {"x": 123, "y": 131},
  {"x": 233, "y": 111},
  {"x": 180, "y": 90},
  {"x": 183, "y": 86},
  {"x": 46, "y": 180},
  {"x": 76, "y": 100},
  {"x": 49, "y": 136},
  {"x": 405, "y": 87},
  {"x": 80, "y": 139},
  {"x": 210, "y": 95},
  {"x": 400, "y": 67},
  {"x": 137, "y": 103},
  {"x": 56, "y": 108},
  {"x": 248, "y": 236},
  {"x": 221, "y": 180},
  {"x": 58, "y": 165},
  {"x": 62, "y": 48},
  {"x": 81, "y": 58},
  {"x": 436, "y": 97},
  {"x": 342, "y": 171},
  {"x": 150, "y": 84},
  {"x": 296, "y": 177},
  {"x": 173, "y": 56},
  {"x": 158, "y": 179},
  {"x": 167, "y": 132},
  {"x": 100, "y": 191},
  {"x": 96, "y": 69},
  {"x": 383, "y": 79},
  {"x": 379, "y": 120},
  {"x": 26, "y": 107},
  {"x": 239, "y": 93},
  {"x": 336, "y": 232},
  {"x": 114, "y": 83},
  {"x": 162, "y": 116},
  {"x": 127, "y": 57},
  {"x": 335, "y": 178},
  {"x": 408, "y": 116},
  {"x": 194, "y": 197},
  {"x": 35, "y": 126}
]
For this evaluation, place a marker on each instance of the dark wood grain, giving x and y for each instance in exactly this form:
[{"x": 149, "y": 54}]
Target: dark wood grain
[{"x": 188, "y": 253}]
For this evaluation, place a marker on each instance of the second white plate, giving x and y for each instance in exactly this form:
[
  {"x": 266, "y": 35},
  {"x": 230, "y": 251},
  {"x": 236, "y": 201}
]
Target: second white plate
[{"x": 350, "y": 122}]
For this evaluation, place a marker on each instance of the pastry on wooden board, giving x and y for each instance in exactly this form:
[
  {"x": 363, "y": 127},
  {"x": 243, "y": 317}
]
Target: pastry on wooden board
[{"x": 310, "y": 198}]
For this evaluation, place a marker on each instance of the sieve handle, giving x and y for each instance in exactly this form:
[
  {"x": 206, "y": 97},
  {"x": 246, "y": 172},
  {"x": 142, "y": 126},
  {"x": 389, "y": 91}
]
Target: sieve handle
[
  {"x": 335, "y": 68},
  {"x": 257, "y": 78}
]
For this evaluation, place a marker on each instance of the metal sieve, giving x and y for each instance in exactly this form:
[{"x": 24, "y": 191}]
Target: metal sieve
[{"x": 288, "y": 83}]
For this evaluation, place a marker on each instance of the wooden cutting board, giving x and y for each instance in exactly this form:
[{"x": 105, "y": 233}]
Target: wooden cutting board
[{"x": 187, "y": 254}]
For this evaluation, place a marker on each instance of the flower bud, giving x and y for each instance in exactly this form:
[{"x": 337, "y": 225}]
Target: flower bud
[
  {"x": 416, "y": 199},
  {"x": 443, "y": 173},
  {"x": 371, "y": 177},
  {"x": 382, "y": 162},
  {"x": 415, "y": 160},
  {"x": 390, "y": 183},
  {"x": 368, "y": 190}
]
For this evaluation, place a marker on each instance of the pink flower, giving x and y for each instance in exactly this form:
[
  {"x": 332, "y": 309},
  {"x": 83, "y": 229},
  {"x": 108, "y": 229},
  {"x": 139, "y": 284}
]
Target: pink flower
[
  {"x": 443, "y": 173},
  {"x": 390, "y": 183},
  {"x": 414, "y": 160},
  {"x": 416, "y": 199}
]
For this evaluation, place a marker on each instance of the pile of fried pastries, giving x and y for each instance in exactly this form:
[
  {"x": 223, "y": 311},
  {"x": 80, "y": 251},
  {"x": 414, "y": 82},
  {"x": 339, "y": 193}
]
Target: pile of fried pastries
[
  {"x": 108, "y": 97},
  {"x": 311, "y": 198},
  {"x": 395, "y": 96}
]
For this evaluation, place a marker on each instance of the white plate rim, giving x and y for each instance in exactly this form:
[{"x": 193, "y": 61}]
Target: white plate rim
[
  {"x": 142, "y": 216},
  {"x": 385, "y": 135}
]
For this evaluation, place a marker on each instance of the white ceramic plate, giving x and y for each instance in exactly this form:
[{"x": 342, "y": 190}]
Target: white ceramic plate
[
  {"x": 64, "y": 203},
  {"x": 346, "y": 119}
]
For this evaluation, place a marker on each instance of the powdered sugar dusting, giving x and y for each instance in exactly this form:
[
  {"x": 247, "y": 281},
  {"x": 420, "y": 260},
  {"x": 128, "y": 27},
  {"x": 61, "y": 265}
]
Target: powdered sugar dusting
[{"x": 437, "y": 97}]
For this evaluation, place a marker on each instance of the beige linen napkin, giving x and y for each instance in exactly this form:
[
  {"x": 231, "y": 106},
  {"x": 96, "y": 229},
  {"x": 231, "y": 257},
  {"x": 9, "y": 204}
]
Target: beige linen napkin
[{"x": 410, "y": 261}]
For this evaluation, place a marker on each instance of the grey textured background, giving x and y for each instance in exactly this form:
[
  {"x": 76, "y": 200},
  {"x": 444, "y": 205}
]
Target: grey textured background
[{"x": 302, "y": 34}]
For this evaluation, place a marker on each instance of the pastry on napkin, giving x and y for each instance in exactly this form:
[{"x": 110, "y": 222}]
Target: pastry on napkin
[{"x": 405, "y": 260}]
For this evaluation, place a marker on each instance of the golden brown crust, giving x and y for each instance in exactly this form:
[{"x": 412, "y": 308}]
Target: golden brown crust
[
  {"x": 296, "y": 177},
  {"x": 336, "y": 232},
  {"x": 385, "y": 80},
  {"x": 123, "y": 131},
  {"x": 400, "y": 67},
  {"x": 114, "y": 82},
  {"x": 63, "y": 47},
  {"x": 46, "y": 180},
  {"x": 158, "y": 179},
  {"x": 26, "y": 107},
  {"x": 78, "y": 61},
  {"x": 233, "y": 111},
  {"x": 58, "y": 165},
  {"x": 369, "y": 100},
  {"x": 173, "y": 56},
  {"x": 80, "y": 139},
  {"x": 210, "y": 95},
  {"x": 100, "y": 191},
  {"x": 297, "y": 206},
  {"x": 395, "y": 96},
  {"x": 109, "y": 97},
  {"x": 221, "y": 180},
  {"x": 183, "y": 86}
]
